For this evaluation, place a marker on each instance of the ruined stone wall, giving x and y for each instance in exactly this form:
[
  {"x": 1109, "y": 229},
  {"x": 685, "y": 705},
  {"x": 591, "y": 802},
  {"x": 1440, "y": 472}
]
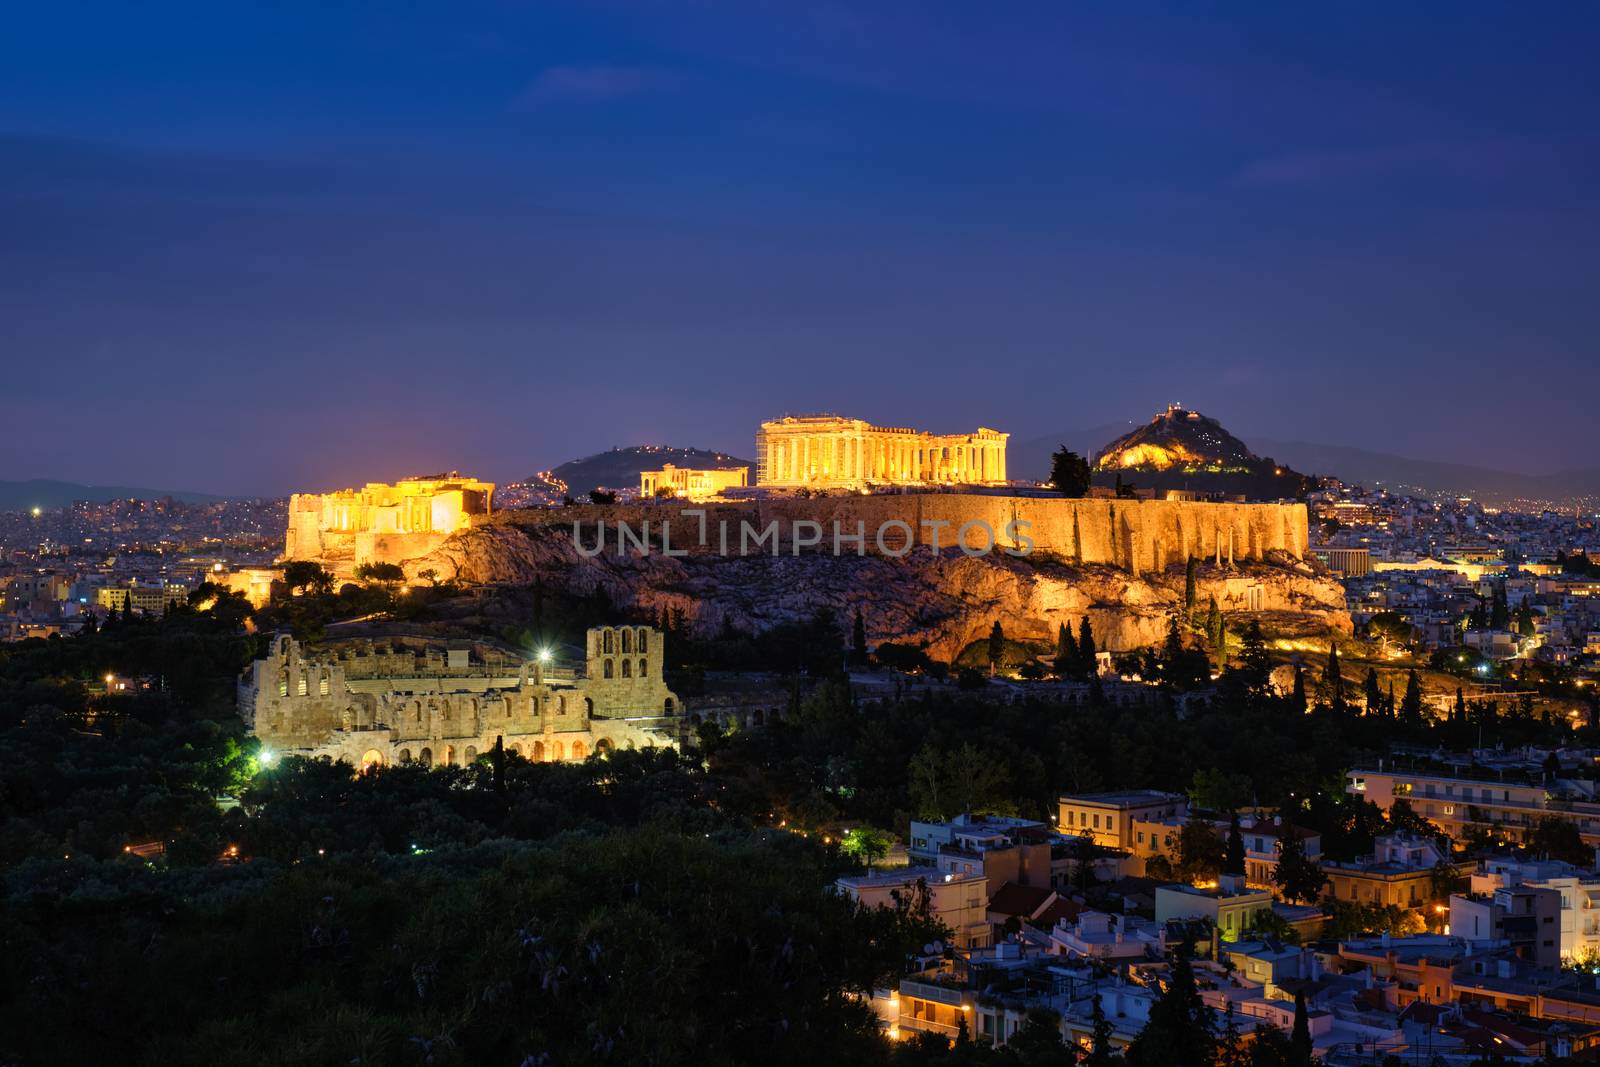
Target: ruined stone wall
[{"x": 1135, "y": 535}]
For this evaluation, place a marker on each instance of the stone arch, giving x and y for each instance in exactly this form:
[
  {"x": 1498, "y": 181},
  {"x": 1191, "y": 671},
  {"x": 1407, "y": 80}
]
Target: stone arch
[
  {"x": 538, "y": 752},
  {"x": 606, "y": 669},
  {"x": 588, "y": 707},
  {"x": 471, "y": 755},
  {"x": 577, "y": 750},
  {"x": 644, "y": 668},
  {"x": 627, "y": 641},
  {"x": 607, "y": 641},
  {"x": 449, "y": 757},
  {"x": 667, "y": 706},
  {"x": 643, "y": 642},
  {"x": 405, "y": 755},
  {"x": 371, "y": 760},
  {"x": 603, "y": 747},
  {"x": 627, "y": 668},
  {"x": 555, "y": 751},
  {"x": 425, "y": 757}
]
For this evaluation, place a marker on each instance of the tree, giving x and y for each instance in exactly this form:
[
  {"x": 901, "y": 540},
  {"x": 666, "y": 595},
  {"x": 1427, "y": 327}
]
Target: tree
[
  {"x": 866, "y": 843},
  {"x": 1180, "y": 1032},
  {"x": 858, "y": 639},
  {"x": 1297, "y": 693},
  {"x": 1300, "y": 1036},
  {"x": 1189, "y": 588},
  {"x": 1099, "y": 1036},
  {"x": 1066, "y": 662},
  {"x": 1086, "y": 652},
  {"x": 1332, "y": 681},
  {"x": 384, "y": 573},
  {"x": 1295, "y": 875},
  {"x": 1253, "y": 656},
  {"x": 1069, "y": 473},
  {"x": 1559, "y": 839},
  {"x": 1213, "y": 789},
  {"x": 1460, "y": 713},
  {"x": 1037, "y": 1042},
  {"x": 302, "y": 575},
  {"x": 1200, "y": 851},
  {"x": 1233, "y": 855},
  {"x": 1390, "y": 628},
  {"x": 1411, "y": 703},
  {"x": 1373, "y": 694},
  {"x": 997, "y": 646},
  {"x": 600, "y": 496}
]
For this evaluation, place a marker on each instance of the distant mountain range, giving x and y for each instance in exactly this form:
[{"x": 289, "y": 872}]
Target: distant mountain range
[
  {"x": 620, "y": 467},
  {"x": 43, "y": 493},
  {"x": 1031, "y": 459}
]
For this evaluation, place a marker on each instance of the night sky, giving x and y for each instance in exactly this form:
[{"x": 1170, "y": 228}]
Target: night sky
[{"x": 254, "y": 248}]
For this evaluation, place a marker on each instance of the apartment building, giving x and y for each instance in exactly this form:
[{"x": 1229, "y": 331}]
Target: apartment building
[
  {"x": 1108, "y": 818},
  {"x": 960, "y": 901},
  {"x": 1509, "y": 806}
]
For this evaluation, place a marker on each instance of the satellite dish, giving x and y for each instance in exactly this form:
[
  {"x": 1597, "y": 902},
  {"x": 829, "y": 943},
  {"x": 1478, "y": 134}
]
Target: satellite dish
[{"x": 927, "y": 950}]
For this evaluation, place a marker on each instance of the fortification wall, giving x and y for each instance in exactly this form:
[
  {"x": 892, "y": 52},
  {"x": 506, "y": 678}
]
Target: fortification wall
[{"x": 1136, "y": 535}]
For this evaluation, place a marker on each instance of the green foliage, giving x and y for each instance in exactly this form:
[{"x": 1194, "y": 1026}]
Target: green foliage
[
  {"x": 306, "y": 576},
  {"x": 1559, "y": 839},
  {"x": 944, "y": 784},
  {"x": 1182, "y": 1030},
  {"x": 1296, "y": 875},
  {"x": 495, "y": 953},
  {"x": 1213, "y": 789},
  {"x": 380, "y": 572},
  {"x": 1069, "y": 473},
  {"x": 1200, "y": 852}
]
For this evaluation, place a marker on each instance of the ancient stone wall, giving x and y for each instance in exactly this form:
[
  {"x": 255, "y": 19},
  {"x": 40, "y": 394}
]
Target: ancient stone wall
[{"x": 1135, "y": 535}]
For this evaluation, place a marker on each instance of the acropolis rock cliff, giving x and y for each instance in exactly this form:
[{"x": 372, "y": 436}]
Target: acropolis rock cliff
[{"x": 1125, "y": 572}]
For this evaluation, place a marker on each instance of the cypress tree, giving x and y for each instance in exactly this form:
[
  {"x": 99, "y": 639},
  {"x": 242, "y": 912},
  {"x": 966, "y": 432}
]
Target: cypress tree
[
  {"x": 1086, "y": 651},
  {"x": 1332, "y": 681},
  {"x": 858, "y": 637},
  {"x": 1180, "y": 1030},
  {"x": 1233, "y": 856},
  {"x": 1374, "y": 695},
  {"x": 1297, "y": 694},
  {"x": 1460, "y": 712},
  {"x": 997, "y": 646},
  {"x": 1189, "y": 588},
  {"x": 1411, "y": 703},
  {"x": 1300, "y": 1036},
  {"x": 1066, "y": 650}
]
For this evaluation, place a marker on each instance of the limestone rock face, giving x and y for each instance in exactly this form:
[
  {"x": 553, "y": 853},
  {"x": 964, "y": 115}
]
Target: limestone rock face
[{"x": 946, "y": 600}]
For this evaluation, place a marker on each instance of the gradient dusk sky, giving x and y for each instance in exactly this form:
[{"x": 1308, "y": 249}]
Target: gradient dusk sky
[{"x": 249, "y": 248}]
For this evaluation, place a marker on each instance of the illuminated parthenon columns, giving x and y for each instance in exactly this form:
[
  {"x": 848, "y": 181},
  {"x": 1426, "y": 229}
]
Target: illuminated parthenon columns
[{"x": 823, "y": 451}]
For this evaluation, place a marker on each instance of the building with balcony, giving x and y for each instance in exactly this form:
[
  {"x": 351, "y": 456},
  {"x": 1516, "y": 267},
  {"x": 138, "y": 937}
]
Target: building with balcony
[
  {"x": 1504, "y": 803},
  {"x": 1108, "y": 818}
]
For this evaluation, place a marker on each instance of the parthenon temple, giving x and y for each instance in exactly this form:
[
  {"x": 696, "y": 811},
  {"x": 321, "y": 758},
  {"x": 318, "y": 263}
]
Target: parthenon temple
[{"x": 828, "y": 451}]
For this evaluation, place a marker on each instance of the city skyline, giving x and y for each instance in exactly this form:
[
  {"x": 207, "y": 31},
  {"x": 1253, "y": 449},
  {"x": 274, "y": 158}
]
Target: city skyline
[{"x": 318, "y": 247}]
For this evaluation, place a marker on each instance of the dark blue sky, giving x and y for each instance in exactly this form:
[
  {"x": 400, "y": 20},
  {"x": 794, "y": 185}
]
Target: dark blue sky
[{"x": 249, "y": 248}]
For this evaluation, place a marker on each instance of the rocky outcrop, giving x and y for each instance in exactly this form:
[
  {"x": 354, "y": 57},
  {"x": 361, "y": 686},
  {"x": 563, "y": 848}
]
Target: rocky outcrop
[{"x": 946, "y": 600}]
